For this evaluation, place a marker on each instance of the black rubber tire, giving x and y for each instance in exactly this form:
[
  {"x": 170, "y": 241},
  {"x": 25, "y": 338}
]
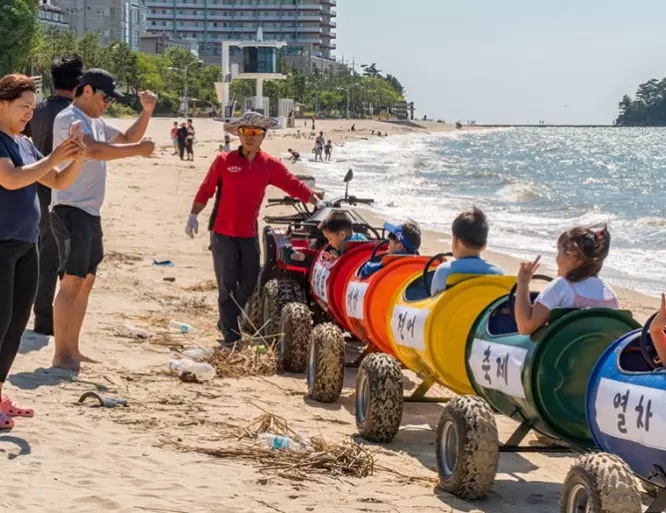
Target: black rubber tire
[
  {"x": 379, "y": 375},
  {"x": 295, "y": 333},
  {"x": 651, "y": 490},
  {"x": 277, "y": 293},
  {"x": 326, "y": 363},
  {"x": 608, "y": 482},
  {"x": 251, "y": 320},
  {"x": 472, "y": 473}
]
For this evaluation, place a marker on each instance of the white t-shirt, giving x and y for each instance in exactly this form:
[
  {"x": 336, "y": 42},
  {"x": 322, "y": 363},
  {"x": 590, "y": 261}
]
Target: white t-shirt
[
  {"x": 561, "y": 293},
  {"x": 88, "y": 190}
]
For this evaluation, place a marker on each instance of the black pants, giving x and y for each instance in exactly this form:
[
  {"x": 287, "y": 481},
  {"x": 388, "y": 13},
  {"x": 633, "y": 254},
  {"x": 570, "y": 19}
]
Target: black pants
[
  {"x": 236, "y": 262},
  {"x": 189, "y": 148},
  {"x": 48, "y": 266},
  {"x": 181, "y": 149},
  {"x": 19, "y": 265}
]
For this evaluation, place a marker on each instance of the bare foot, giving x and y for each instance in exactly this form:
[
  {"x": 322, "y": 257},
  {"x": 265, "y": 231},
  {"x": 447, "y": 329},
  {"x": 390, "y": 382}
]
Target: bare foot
[
  {"x": 85, "y": 359},
  {"x": 66, "y": 362}
]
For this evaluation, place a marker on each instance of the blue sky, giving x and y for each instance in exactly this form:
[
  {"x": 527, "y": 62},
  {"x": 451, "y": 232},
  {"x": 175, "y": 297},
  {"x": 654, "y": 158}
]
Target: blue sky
[{"x": 563, "y": 61}]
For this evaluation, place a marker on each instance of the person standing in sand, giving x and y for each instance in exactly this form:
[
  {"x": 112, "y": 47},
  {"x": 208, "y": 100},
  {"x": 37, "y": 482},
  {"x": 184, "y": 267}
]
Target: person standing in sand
[
  {"x": 65, "y": 74},
  {"x": 174, "y": 137},
  {"x": 22, "y": 166},
  {"x": 243, "y": 176},
  {"x": 189, "y": 141},
  {"x": 75, "y": 214}
]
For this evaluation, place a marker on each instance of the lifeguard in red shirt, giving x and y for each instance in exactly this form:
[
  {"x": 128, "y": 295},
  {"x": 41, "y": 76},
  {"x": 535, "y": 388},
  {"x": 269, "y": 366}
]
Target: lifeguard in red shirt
[{"x": 242, "y": 176}]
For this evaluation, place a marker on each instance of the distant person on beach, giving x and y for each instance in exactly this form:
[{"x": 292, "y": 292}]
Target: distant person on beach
[
  {"x": 227, "y": 144},
  {"x": 65, "y": 74},
  {"x": 174, "y": 137},
  {"x": 580, "y": 256},
  {"x": 295, "y": 156},
  {"x": 314, "y": 118},
  {"x": 189, "y": 141},
  {"x": 404, "y": 239},
  {"x": 328, "y": 150},
  {"x": 338, "y": 230},
  {"x": 244, "y": 175},
  {"x": 75, "y": 213},
  {"x": 657, "y": 332},
  {"x": 22, "y": 166},
  {"x": 470, "y": 236},
  {"x": 182, "y": 140},
  {"x": 353, "y": 128},
  {"x": 319, "y": 147}
]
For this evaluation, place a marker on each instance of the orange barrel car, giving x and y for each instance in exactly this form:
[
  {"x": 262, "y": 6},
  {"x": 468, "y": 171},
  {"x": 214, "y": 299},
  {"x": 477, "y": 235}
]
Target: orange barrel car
[{"x": 428, "y": 334}]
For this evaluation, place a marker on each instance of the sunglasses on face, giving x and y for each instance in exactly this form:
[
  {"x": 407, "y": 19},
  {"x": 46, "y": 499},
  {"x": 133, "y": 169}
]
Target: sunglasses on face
[
  {"x": 107, "y": 99},
  {"x": 247, "y": 132}
]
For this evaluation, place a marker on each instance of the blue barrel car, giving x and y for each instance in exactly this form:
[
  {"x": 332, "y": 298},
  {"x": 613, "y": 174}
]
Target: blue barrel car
[{"x": 626, "y": 395}]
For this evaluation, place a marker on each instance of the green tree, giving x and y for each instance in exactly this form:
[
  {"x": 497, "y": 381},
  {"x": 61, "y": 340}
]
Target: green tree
[
  {"x": 18, "y": 27},
  {"x": 92, "y": 52}
]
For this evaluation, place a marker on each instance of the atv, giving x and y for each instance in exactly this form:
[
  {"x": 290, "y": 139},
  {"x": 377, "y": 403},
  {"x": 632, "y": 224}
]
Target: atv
[{"x": 290, "y": 244}]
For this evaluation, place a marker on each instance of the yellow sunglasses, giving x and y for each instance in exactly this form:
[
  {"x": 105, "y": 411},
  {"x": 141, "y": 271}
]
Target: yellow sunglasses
[{"x": 251, "y": 131}]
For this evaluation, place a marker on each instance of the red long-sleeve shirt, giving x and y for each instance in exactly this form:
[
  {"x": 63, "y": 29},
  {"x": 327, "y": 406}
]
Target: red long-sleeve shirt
[{"x": 243, "y": 188}]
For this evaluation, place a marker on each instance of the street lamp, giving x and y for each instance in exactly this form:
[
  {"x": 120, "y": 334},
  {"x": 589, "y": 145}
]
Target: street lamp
[{"x": 185, "y": 100}]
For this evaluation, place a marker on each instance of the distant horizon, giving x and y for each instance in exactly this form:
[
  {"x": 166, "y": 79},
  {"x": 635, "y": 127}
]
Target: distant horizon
[{"x": 517, "y": 62}]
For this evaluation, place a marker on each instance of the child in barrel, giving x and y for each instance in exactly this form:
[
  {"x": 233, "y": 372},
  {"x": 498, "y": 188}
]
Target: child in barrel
[
  {"x": 404, "y": 239},
  {"x": 470, "y": 237},
  {"x": 657, "y": 331},
  {"x": 580, "y": 256},
  {"x": 338, "y": 229}
]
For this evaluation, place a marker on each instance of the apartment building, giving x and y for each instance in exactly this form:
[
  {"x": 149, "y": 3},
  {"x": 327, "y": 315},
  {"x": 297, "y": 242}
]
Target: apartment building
[
  {"x": 308, "y": 26},
  {"x": 52, "y": 15},
  {"x": 113, "y": 20}
]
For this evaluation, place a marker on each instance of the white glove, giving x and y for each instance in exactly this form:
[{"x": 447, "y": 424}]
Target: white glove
[{"x": 192, "y": 226}]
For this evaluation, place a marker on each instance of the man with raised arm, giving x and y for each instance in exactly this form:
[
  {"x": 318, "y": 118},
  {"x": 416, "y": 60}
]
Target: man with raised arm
[{"x": 75, "y": 212}]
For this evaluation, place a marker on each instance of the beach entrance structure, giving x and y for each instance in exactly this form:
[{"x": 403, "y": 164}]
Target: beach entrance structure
[{"x": 259, "y": 62}]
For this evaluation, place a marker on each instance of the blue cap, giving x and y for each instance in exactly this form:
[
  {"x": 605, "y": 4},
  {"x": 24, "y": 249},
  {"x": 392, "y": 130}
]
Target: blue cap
[{"x": 408, "y": 234}]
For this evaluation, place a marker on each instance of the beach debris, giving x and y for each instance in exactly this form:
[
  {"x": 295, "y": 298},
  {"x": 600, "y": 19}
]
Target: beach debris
[
  {"x": 106, "y": 402},
  {"x": 192, "y": 372},
  {"x": 136, "y": 332},
  {"x": 203, "y": 286},
  {"x": 278, "y": 442},
  {"x": 163, "y": 263},
  {"x": 170, "y": 279},
  {"x": 180, "y": 326},
  {"x": 315, "y": 457},
  {"x": 197, "y": 354},
  {"x": 245, "y": 360}
]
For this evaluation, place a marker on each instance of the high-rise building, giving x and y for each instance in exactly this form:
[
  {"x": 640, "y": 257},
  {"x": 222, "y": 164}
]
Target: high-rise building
[
  {"x": 52, "y": 15},
  {"x": 113, "y": 20},
  {"x": 307, "y": 26}
]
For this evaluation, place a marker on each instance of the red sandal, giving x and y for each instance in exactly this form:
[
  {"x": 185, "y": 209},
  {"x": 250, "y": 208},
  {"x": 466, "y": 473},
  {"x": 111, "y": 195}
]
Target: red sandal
[{"x": 11, "y": 409}]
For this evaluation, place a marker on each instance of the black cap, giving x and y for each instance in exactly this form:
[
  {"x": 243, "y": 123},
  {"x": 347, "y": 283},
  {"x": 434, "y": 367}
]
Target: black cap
[{"x": 102, "y": 81}]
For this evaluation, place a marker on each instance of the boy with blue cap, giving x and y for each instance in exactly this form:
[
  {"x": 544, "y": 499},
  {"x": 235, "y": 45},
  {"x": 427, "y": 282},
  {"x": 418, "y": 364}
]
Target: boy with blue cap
[{"x": 404, "y": 239}]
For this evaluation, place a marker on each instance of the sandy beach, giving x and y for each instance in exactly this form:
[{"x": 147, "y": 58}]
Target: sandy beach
[{"x": 72, "y": 458}]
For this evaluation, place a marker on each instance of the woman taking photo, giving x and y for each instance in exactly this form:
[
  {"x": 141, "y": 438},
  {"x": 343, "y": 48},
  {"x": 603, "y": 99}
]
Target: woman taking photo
[{"x": 21, "y": 168}]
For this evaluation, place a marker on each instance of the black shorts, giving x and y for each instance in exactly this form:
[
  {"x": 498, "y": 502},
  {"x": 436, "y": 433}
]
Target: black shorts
[{"x": 79, "y": 238}]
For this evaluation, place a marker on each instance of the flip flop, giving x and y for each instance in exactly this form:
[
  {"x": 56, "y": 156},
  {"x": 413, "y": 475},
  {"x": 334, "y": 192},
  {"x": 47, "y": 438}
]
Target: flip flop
[
  {"x": 164, "y": 263},
  {"x": 11, "y": 409},
  {"x": 106, "y": 402}
]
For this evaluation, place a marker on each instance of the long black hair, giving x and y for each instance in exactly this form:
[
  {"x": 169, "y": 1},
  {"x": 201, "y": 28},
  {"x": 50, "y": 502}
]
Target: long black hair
[{"x": 590, "y": 245}]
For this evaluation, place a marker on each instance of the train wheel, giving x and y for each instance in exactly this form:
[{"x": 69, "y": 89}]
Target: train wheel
[
  {"x": 277, "y": 293},
  {"x": 295, "y": 332},
  {"x": 326, "y": 363},
  {"x": 467, "y": 448},
  {"x": 600, "y": 483},
  {"x": 379, "y": 399}
]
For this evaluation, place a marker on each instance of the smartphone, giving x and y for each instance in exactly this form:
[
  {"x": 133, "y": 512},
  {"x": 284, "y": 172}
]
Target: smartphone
[{"x": 75, "y": 130}]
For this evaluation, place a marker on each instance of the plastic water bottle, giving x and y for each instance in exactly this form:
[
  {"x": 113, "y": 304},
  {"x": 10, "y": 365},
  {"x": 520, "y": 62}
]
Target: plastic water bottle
[
  {"x": 202, "y": 371},
  {"x": 278, "y": 442},
  {"x": 180, "y": 326},
  {"x": 196, "y": 353},
  {"x": 137, "y": 332}
]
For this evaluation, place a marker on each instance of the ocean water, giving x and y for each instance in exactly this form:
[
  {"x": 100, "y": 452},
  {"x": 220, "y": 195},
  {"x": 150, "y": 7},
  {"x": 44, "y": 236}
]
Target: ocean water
[{"x": 531, "y": 183}]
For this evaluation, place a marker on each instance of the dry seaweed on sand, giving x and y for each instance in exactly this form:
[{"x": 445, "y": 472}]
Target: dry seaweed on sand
[
  {"x": 245, "y": 360},
  {"x": 345, "y": 459},
  {"x": 203, "y": 286}
]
